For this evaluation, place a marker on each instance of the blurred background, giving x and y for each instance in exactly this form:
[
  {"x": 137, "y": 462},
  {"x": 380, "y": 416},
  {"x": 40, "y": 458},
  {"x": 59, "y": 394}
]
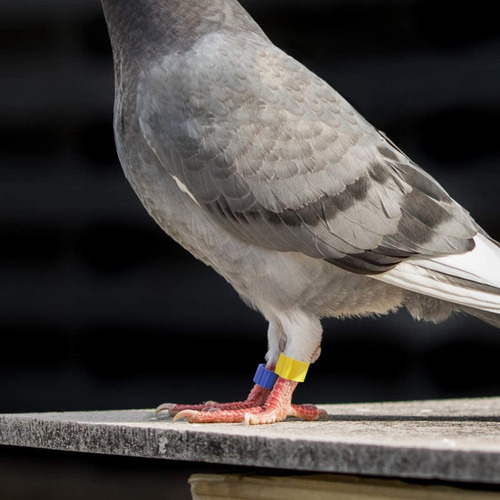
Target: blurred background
[{"x": 99, "y": 309}]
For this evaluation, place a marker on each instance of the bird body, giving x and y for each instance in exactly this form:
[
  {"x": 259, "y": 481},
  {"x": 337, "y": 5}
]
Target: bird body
[{"x": 264, "y": 172}]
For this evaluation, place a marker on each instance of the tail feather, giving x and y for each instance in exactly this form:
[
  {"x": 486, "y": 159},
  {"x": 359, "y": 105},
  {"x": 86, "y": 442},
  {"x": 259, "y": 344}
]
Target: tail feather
[
  {"x": 471, "y": 280},
  {"x": 481, "y": 265}
]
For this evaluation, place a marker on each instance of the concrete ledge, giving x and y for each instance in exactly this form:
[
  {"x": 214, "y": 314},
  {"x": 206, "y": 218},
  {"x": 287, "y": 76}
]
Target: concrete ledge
[{"x": 455, "y": 440}]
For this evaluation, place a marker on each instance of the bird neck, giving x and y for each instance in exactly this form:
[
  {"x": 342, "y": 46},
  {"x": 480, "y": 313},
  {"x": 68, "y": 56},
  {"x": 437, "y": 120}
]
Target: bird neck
[{"x": 147, "y": 29}]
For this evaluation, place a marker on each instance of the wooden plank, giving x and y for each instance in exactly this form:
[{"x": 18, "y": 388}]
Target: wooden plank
[{"x": 323, "y": 487}]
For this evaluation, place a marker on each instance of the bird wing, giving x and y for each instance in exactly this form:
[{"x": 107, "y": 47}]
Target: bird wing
[{"x": 280, "y": 159}]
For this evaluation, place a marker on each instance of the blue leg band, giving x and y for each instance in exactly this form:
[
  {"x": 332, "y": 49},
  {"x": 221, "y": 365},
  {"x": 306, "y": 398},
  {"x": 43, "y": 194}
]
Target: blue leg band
[{"x": 264, "y": 377}]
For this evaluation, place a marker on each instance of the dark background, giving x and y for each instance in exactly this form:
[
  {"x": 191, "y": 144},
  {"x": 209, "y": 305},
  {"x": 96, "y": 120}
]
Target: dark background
[{"x": 99, "y": 309}]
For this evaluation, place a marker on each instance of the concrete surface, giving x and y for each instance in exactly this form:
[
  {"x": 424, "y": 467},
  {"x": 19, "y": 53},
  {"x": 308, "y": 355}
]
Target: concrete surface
[{"x": 454, "y": 440}]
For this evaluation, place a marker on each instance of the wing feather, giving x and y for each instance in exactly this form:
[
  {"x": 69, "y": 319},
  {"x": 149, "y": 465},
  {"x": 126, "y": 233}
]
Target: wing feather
[{"x": 281, "y": 160}]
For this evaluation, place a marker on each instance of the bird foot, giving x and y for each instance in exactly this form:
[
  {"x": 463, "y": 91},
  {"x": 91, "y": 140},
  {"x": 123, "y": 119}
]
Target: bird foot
[
  {"x": 175, "y": 409},
  {"x": 261, "y": 407},
  {"x": 257, "y": 397},
  {"x": 257, "y": 415},
  {"x": 216, "y": 416},
  {"x": 271, "y": 416}
]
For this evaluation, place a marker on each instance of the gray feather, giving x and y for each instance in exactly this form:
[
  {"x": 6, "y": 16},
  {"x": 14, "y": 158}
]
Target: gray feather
[{"x": 281, "y": 160}]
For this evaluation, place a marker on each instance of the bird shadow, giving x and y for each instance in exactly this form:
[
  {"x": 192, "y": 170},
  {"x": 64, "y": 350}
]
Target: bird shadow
[{"x": 413, "y": 418}]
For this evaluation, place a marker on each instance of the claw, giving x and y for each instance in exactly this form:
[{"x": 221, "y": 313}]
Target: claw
[
  {"x": 185, "y": 414},
  {"x": 164, "y": 407},
  {"x": 323, "y": 415}
]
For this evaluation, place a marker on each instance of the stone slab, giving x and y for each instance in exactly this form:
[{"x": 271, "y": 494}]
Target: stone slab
[{"x": 451, "y": 440}]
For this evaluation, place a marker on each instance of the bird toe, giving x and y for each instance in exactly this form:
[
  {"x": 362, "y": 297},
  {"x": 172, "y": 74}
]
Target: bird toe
[
  {"x": 164, "y": 407},
  {"x": 189, "y": 415}
]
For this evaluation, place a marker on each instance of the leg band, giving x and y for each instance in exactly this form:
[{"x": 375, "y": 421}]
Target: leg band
[
  {"x": 291, "y": 369},
  {"x": 264, "y": 377}
]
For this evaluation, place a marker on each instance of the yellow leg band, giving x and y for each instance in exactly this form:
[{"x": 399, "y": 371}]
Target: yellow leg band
[{"x": 291, "y": 369}]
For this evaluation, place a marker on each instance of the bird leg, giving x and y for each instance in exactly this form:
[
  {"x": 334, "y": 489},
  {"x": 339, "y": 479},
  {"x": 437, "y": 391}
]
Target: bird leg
[
  {"x": 257, "y": 397},
  {"x": 279, "y": 406},
  {"x": 264, "y": 406},
  {"x": 275, "y": 409}
]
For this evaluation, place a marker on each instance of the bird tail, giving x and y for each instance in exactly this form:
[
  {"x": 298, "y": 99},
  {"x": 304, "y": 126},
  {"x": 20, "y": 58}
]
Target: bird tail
[{"x": 470, "y": 280}]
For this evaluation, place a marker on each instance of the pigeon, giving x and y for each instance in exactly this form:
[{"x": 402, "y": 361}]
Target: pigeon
[{"x": 262, "y": 171}]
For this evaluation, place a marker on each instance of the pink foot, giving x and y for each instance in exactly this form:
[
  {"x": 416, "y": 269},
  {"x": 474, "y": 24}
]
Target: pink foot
[
  {"x": 217, "y": 416},
  {"x": 257, "y": 397},
  {"x": 277, "y": 407}
]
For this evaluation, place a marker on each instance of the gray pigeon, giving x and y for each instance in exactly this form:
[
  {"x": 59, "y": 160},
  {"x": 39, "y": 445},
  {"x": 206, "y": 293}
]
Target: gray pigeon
[{"x": 265, "y": 173}]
